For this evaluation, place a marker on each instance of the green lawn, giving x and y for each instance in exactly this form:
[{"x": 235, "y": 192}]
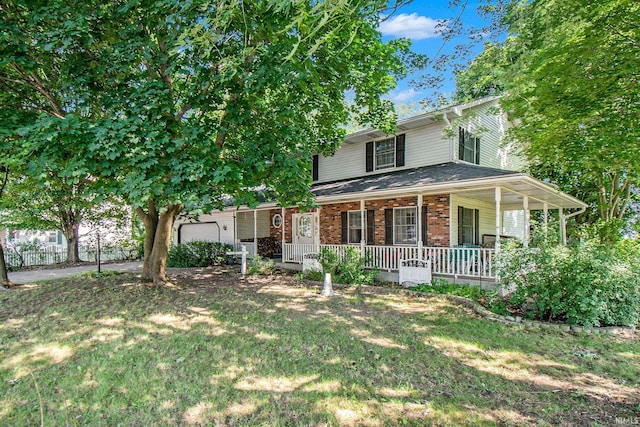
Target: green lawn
[{"x": 217, "y": 349}]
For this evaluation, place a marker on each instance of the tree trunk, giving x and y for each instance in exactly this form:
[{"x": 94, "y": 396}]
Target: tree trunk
[
  {"x": 161, "y": 243},
  {"x": 157, "y": 239},
  {"x": 73, "y": 253},
  {"x": 70, "y": 229},
  {"x": 4, "y": 278},
  {"x": 150, "y": 221}
]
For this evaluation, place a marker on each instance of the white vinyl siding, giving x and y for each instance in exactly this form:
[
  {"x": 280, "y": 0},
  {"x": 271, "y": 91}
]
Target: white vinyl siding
[
  {"x": 513, "y": 223},
  {"x": 431, "y": 145},
  {"x": 487, "y": 220},
  {"x": 490, "y": 125},
  {"x": 424, "y": 146}
]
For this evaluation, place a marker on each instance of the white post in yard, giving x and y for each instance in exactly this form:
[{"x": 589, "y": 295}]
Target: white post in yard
[
  {"x": 527, "y": 220},
  {"x": 327, "y": 288},
  {"x": 243, "y": 266},
  {"x": 363, "y": 228},
  {"x": 282, "y": 225},
  {"x": 255, "y": 233},
  {"x": 419, "y": 225},
  {"x": 498, "y": 198}
]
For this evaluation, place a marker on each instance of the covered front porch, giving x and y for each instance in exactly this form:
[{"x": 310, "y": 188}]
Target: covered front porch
[{"x": 457, "y": 225}]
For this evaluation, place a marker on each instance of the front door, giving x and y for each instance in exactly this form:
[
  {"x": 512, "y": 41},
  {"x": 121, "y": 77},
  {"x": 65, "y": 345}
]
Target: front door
[{"x": 305, "y": 228}]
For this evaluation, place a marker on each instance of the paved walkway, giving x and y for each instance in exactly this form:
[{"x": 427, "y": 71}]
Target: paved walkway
[{"x": 57, "y": 273}]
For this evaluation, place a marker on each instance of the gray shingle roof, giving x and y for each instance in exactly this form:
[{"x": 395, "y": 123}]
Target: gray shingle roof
[{"x": 426, "y": 175}]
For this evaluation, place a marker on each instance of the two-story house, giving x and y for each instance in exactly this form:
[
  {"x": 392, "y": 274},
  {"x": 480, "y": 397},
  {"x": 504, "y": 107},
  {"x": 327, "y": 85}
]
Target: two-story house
[{"x": 445, "y": 187}]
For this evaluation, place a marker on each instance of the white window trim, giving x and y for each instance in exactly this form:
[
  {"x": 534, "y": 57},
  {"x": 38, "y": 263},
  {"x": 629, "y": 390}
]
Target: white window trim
[
  {"x": 415, "y": 208},
  {"x": 375, "y": 157},
  {"x": 355, "y": 228}
]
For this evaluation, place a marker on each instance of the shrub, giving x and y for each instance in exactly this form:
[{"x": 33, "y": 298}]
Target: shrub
[
  {"x": 329, "y": 261},
  {"x": 586, "y": 283},
  {"x": 490, "y": 299},
  {"x": 197, "y": 253},
  {"x": 261, "y": 266},
  {"x": 351, "y": 270}
]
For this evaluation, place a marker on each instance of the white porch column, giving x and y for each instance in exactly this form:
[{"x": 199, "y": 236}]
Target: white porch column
[
  {"x": 419, "y": 225},
  {"x": 317, "y": 228},
  {"x": 527, "y": 220},
  {"x": 235, "y": 231},
  {"x": 283, "y": 225},
  {"x": 545, "y": 215},
  {"x": 563, "y": 227},
  {"x": 255, "y": 232},
  {"x": 363, "y": 228},
  {"x": 498, "y": 199}
]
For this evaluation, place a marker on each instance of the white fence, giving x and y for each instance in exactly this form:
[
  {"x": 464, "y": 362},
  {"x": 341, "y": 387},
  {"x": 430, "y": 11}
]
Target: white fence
[
  {"x": 50, "y": 256},
  {"x": 473, "y": 262}
]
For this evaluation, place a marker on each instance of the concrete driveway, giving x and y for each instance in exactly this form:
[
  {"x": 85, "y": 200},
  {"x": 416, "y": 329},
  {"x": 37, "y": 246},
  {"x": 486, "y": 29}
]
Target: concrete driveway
[{"x": 19, "y": 277}]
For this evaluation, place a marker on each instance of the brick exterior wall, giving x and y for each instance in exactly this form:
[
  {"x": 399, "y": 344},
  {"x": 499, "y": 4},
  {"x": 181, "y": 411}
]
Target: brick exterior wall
[
  {"x": 437, "y": 219},
  {"x": 330, "y": 221},
  {"x": 274, "y": 232}
]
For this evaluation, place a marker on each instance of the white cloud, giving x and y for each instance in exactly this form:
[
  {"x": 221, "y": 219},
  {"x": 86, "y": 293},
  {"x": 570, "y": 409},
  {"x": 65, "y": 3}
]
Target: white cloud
[
  {"x": 403, "y": 96},
  {"x": 412, "y": 26}
]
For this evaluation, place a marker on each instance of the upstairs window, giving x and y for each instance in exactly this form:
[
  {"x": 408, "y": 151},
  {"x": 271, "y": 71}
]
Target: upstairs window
[
  {"x": 386, "y": 153},
  {"x": 469, "y": 146}
]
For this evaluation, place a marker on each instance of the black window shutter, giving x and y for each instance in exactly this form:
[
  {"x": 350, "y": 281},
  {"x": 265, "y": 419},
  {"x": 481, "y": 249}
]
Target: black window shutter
[
  {"x": 388, "y": 226},
  {"x": 425, "y": 225},
  {"x": 460, "y": 220},
  {"x": 343, "y": 225},
  {"x": 371, "y": 227},
  {"x": 400, "y": 150},
  {"x": 314, "y": 168},
  {"x": 477, "y": 147},
  {"x": 369, "y": 156},
  {"x": 476, "y": 227},
  {"x": 460, "y": 143}
]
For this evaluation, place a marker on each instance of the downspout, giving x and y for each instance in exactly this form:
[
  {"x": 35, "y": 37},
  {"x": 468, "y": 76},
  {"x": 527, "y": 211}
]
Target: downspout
[
  {"x": 563, "y": 221},
  {"x": 453, "y": 149}
]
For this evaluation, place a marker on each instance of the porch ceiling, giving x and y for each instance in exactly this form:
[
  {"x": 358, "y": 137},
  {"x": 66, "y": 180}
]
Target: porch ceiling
[{"x": 513, "y": 193}]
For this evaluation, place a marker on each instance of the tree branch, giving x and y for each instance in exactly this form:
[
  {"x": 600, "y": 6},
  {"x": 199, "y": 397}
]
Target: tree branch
[{"x": 36, "y": 82}]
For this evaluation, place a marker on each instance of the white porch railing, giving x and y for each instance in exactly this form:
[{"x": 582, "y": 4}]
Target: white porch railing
[
  {"x": 473, "y": 262},
  {"x": 294, "y": 252}
]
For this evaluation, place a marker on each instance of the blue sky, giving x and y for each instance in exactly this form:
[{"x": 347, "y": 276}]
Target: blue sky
[{"x": 417, "y": 21}]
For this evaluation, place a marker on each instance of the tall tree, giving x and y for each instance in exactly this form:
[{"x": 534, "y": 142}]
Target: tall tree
[
  {"x": 42, "y": 200},
  {"x": 4, "y": 278},
  {"x": 569, "y": 71},
  {"x": 178, "y": 104}
]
